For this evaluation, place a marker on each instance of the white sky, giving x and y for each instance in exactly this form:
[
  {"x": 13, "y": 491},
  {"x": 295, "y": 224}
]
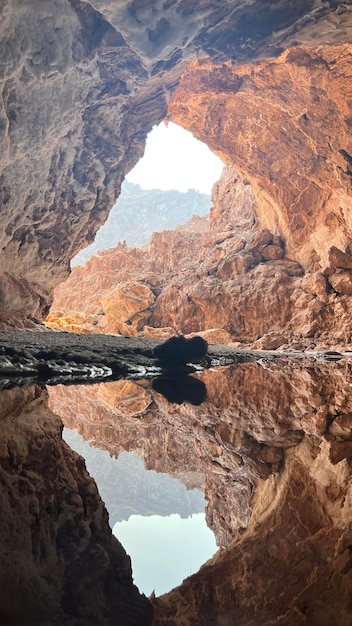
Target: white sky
[
  {"x": 174, "y": 159},
  {"x": 165, "y": 550}
]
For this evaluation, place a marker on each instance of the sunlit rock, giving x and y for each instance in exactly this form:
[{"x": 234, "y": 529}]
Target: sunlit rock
[
  {"x": 127, "y": 300},
  {"x": 285, "y": 125},
  {"x": 239, "y": 281},
  {"x": 341, "y": 281},
  {"x": 82, "y": 86}
]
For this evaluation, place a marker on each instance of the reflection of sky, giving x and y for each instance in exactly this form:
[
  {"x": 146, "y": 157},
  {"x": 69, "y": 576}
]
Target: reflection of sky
[
  {"x": 174, "y": 159},
  {"x": 127, "y": 488},
  {"x": 164, "y": 547},
  {"x": 165, "y": 550}
]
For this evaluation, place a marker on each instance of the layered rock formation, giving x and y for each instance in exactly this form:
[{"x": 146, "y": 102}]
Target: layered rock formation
[
  {"x": 224, "y": 277},
  {"x": 286, "y": 125}
]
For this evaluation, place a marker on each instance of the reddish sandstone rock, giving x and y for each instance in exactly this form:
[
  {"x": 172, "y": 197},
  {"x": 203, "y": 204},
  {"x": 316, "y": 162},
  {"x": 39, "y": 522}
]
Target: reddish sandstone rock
[
  {"x": 340, "y": 450},
  {"x": 191, "y": 281},
  {"x": 285, "y": 125},
  {"x": 341, "y": 427},
  {"x": 158, "y": 333},
  {"x": 316, "y": 283},
  {"x": 234, "y": 203},
  {"x": 126, "y": 300},
  {"x": 82, "y": 84},
  {"x": 214, "y": 335},
  {"x": 337, "y": 258},
  {"x": 341, "y": 281}
]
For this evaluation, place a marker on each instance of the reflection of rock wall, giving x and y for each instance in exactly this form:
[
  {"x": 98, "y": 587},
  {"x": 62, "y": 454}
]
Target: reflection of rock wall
[
  {"x": 127, "y": 488},
  {"x": 60, "y": 563},
  {"x": 291, "y": 566},
  {"x": 254, "y": 412}
]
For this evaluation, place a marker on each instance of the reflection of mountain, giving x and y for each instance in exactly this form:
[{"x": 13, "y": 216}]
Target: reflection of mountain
[
  {"x": 129, "y": 489},
  {"x": 138, "y": 213}
]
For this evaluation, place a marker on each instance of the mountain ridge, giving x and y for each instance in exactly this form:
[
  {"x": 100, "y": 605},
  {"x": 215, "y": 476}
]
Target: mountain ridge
[{"x": 140, "y": 212}]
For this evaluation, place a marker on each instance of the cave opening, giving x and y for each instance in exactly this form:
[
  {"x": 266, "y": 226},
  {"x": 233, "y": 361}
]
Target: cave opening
[
  {"x": 169, "y": 185},
  {"x": 159, "y": 519},
  {"x": 174, "y": 159}
]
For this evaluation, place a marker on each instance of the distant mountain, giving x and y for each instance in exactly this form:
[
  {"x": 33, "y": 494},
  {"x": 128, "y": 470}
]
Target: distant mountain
[
  {"x": 138, "y": 213},
  {"x": 127, "y": 488}
]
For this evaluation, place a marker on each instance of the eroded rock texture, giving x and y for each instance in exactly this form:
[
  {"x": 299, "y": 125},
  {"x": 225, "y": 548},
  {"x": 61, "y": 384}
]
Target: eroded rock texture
[
  {"x": 286, "y": 125},
  {"x": 291, "y": 566},
  {"x": 82, "y": 83},
  {"x": 60, "y": 563},
  {"x": 223, "y": 276}
]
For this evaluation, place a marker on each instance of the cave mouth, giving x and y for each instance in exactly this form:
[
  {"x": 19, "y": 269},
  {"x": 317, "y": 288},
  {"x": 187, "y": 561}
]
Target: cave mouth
[
  {"x": 174, "y": 159},
  {"x": 81, "y": 87},
  {"x": 171, "y": 182}
]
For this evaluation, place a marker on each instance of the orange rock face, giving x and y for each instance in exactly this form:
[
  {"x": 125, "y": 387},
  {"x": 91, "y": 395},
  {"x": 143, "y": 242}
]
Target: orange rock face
[
  {"x": 80, "y": 95},
  {"x": 271, "y": 444},
  {"x": 223, "y": 277},
  {"x": 82, "y": 83},
  {"x": 285, "y": 124}
]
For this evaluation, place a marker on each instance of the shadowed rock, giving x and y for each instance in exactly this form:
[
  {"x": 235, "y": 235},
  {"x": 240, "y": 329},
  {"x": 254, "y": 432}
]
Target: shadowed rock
[
  {"x": 179, "y": 351},
  {"x": 181, "y": 389}
]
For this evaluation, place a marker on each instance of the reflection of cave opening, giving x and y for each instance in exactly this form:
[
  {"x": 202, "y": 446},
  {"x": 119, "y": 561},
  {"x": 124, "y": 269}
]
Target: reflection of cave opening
[{"x": 158, "y": 519}]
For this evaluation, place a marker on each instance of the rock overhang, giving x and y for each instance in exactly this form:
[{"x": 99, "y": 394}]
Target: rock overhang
[{"x": 84, "y": 82}]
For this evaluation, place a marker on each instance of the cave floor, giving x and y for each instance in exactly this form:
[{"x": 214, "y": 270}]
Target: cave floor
[{"x": 29, "y": 357}]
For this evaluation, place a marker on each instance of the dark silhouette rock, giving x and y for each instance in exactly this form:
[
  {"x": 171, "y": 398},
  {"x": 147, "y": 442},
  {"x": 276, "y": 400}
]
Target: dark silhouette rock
[{"x": 179, "y": 351}]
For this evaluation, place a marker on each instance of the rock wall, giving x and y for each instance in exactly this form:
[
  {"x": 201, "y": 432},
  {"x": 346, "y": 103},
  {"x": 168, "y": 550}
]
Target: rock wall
[
  {"x": 82, "y": 83},
  {"x": 286, "y": 125},
  {"x": 224, "y": 277}
]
